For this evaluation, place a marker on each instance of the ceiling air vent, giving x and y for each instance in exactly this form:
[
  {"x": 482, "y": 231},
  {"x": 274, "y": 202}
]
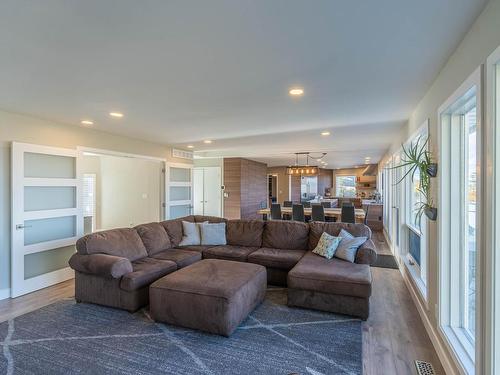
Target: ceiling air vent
[{"x": 176, "y": 153}]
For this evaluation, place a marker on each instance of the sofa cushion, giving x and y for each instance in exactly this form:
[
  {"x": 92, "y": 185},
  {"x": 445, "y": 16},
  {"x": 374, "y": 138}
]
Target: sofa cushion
[
  {"x": 154, "y": 236},
  {"x": 104, "y": 265},
  {"x": 245, "y": 232},
  {"x": 333, "y": 276},
  {"x": 146, "y": 271},
  {"x": 190, "y": 234},
  {"x": 182, "y": 258},
  {"x": 318, "y": 227},
  {"x": 367, "y": 253},
  {"x": 210, "y": 219},
  {"x": 229, "y": 252},
  {"x": 122, "y": 242},
  {"x": 198, "y": 248},
  {"x": 213, "y": 233},
  {"x": 174, "y": 231},
  {"x": 290, "y": 235},
  {"x": 276, "y": 258},
  {"x": 349, "y": 246}
]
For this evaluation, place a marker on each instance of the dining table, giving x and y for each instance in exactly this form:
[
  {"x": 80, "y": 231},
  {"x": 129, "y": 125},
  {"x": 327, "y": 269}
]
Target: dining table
[{"x": 336, "y": 212}]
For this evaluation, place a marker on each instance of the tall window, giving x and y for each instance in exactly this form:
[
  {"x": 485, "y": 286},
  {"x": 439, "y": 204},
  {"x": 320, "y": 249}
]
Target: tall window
[
  {"x": 416, "y": 226},
  {"x": 89, "y": 202},
  {"x": 459, "y": 229},
  {"x": 345, "y": 186}
]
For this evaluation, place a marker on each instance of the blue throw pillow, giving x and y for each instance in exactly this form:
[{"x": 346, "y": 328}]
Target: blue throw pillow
[
  {"x": 348, "y": 246},
  {"x": 327, "y": 245}
]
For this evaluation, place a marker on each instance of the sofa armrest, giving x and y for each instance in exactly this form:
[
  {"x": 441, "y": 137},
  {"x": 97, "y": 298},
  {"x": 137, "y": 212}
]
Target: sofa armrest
[
  {"x": 101, "y": 265},
  {"x": 367, "y": 253}
]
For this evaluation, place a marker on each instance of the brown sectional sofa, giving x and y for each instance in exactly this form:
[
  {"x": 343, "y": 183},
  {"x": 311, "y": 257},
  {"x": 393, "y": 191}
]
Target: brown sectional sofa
[{"x": 116, "y": 267}]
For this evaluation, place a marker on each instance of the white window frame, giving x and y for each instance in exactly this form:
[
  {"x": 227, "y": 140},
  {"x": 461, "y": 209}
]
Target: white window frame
[
  {"x": 455, "y": 338},
  {"x": 490, "y": 355},
  {"x": 419, "y": 273},
  {"x": 345, "y": 175}
]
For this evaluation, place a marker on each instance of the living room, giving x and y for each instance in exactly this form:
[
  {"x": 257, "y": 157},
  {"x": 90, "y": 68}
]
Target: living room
[{"x": 249, "y": 187}]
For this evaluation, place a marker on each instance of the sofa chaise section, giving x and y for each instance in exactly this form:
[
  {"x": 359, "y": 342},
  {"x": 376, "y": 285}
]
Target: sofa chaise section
[{"x": 334, "y": 285}]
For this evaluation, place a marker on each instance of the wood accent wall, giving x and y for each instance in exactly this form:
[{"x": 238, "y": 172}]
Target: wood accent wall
[
  {"x": 232, "y": 183},
  {"x": 246, "y": 185},
  {"x": 325, "y": 180}
]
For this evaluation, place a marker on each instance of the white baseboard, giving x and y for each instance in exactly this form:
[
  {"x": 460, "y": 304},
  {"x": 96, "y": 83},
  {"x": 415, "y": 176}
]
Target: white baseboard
[
  {"x": 442, "y": 353},
  {"x": 4, "y": 293}
]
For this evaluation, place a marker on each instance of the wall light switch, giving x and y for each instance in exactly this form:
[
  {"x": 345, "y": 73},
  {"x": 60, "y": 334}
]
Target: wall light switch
[{"x": 144, "y": 196}]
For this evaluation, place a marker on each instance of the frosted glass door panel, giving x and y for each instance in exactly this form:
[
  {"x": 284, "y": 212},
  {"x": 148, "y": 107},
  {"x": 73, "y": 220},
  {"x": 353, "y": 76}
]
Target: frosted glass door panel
[
  {"x": 49, "y": 166},
  {"x": 43, "y": 230},
  {"x": 38, "y": 198},
  {"x": 180, "y": 193},
  {"x": 180, "y": 211},
  {"x": 47, "y": 261},
  {"x": 180, "y": 174}
]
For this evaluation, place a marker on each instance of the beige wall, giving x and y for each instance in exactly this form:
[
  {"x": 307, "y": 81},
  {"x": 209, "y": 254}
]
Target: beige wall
[
  {"x": 127, "y": 202},
  {"x": 481, "y": 40},
  {"x": 21, "y": 128}
]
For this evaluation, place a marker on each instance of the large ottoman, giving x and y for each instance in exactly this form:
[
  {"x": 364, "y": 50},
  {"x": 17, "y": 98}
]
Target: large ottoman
[{"x": 211, "y": 295}]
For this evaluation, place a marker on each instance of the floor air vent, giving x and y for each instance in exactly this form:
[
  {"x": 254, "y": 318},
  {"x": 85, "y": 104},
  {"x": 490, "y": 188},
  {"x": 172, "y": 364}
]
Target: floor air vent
[{"x": 424, "y": 368}]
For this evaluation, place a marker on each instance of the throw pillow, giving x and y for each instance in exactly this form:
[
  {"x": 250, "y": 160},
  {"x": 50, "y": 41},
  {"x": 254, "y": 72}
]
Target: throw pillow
[
  {"x": 213, "y": 234},
  {"x": 348, "y": 246},
  {"x": 190, "y": 234},
  {"x": 327, "y": 245}
]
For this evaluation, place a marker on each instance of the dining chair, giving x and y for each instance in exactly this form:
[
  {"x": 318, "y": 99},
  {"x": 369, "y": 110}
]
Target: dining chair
[
  {"x": 326, "y": 204},
  {"x": 275, "y": 211},
  {"x": 298, "y": 213},
  {"x": 317, "y": 212},
  {"x": 287, "y": 203},
  {"x": 347, "y": 214}
]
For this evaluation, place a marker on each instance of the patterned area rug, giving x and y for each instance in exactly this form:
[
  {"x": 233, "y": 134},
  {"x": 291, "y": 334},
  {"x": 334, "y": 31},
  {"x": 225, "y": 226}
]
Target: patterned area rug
[{"x": 70, "y": 338}]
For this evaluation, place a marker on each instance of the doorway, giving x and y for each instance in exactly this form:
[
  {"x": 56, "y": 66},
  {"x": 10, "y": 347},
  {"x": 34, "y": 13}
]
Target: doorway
[
  {"x": 272, "y": 189},
  {"x": 112, "y": 198},
  {"x": 207, "y": 192}
]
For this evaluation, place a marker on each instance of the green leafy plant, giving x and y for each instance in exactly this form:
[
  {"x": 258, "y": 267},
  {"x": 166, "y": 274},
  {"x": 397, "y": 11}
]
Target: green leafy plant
[{"x": 415, "y": 158}]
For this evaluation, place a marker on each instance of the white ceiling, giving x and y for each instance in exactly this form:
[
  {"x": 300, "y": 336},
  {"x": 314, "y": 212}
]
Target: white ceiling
[{"x": 183, "y": 71}]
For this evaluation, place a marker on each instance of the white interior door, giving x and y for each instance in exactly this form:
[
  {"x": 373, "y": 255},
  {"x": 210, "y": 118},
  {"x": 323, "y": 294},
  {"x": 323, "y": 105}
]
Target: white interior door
[
  {"x": 47, "y": 216},
  {"x": 212, "y": 191},
  {"x": 179, "y": 185},
  {"x": 207, "y": 191},
  {"x": 198, "y": 194}
]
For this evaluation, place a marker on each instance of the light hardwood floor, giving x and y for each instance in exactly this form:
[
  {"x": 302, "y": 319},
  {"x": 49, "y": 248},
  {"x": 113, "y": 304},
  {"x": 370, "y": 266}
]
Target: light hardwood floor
[{"x": 393, "y": 337}]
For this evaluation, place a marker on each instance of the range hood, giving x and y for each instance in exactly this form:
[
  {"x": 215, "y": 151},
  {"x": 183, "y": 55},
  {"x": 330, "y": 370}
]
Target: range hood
[{"x": 370, "y": 170}]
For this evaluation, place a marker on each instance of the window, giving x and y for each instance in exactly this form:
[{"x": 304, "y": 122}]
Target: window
[
  {"x": 89, "y": 202},
  {"x": 345, "y": 186},
  {"x": 491, "y": 258},
  {"x": 459, "y": 208},
  {"x": 416, "y": 228}
]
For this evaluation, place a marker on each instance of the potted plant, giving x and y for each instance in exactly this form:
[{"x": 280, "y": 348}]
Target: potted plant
[{"x": 417, "y": 158}]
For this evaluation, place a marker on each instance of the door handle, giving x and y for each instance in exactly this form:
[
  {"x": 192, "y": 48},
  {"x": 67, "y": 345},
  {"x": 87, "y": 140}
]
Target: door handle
[{"x": 22, "y": 226}]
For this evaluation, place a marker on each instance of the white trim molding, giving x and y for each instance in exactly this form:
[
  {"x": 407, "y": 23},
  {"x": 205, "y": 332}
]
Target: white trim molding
[{"x": 4, "y": 293}]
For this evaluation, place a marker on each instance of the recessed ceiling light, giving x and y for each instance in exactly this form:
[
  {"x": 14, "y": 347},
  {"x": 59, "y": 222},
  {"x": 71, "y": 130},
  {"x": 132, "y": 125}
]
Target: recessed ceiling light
[
  {"x": 325, "y": 133},
  {"x": 116, "y": 114},
  {"x": 297, "y": 91},
  {"x": 190, "y": 146},
  {"x": 207, "y": 141},
  {"x": 87, "y": 122}
]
